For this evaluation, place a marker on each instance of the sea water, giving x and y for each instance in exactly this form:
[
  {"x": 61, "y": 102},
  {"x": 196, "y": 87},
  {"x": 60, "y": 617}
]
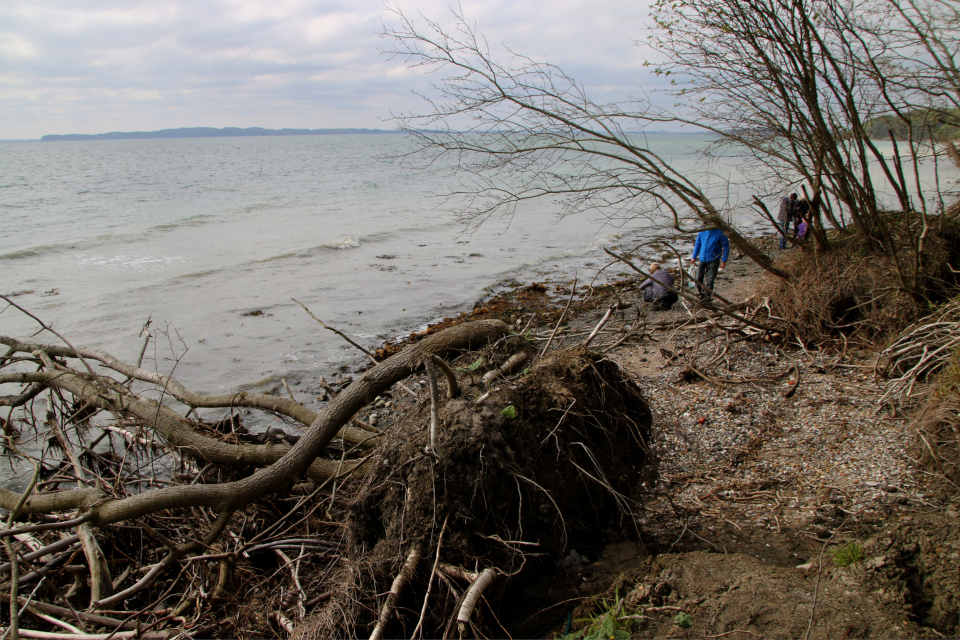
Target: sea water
[{"x": 211, "y": 240}]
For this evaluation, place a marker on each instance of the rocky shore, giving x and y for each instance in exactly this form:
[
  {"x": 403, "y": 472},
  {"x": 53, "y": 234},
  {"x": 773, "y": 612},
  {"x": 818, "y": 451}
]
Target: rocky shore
[{"x": 775, "y": 464}]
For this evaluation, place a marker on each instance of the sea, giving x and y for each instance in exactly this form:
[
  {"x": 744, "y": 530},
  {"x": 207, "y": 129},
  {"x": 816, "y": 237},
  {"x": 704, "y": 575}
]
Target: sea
[{"x": 209, "y": 244}]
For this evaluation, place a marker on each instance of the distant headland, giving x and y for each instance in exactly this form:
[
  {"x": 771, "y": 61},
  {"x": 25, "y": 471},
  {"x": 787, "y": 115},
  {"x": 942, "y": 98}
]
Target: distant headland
[{"x": 206, "y": 132}]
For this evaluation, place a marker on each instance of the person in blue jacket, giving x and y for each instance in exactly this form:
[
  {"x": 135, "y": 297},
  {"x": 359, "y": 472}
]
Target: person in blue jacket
[{"x": 710, "y": 253}]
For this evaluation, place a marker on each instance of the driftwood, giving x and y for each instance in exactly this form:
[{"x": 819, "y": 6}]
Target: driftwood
[
  {"x": 285, "y": 462},
  {"x": 201, "y": 537},
  {"x": 74, "y": 395}
]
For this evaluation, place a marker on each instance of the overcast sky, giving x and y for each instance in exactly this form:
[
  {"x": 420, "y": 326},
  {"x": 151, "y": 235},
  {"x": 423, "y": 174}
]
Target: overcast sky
[{"x": 125, "y": 65}]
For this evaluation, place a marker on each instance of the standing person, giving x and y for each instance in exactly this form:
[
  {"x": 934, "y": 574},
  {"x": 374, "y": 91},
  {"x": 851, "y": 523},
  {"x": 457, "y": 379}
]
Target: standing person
[
  {"x": 711, "y": 249},
  {"x": 799, "y": 209},
  {"x": 654, "y": 290},
  {"x": 786, "y": 213}
]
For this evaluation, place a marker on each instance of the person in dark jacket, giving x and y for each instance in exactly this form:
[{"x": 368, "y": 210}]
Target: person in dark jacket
[
  {"x": 654, "y": 290},
  {"x": 710, "y": 253}
]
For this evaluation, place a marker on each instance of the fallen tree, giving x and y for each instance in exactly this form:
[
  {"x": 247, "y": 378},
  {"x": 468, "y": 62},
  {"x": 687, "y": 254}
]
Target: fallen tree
[
  {"x": 112, "y": 484},
  {"x": 187, "y": 524},
  {"x": 285, "y": 463}
]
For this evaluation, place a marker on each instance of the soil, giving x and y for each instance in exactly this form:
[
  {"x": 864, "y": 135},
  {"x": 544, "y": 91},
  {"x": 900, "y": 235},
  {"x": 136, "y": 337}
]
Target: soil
[
  {"x": 742, "y": 566},
  {"x": 767, "y": 497},
  {"x": 516, "y": 479}
]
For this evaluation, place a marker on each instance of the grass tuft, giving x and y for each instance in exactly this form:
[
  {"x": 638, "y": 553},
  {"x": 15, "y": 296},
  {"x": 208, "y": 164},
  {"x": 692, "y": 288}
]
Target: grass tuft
[{"x": 849, "y": 554}]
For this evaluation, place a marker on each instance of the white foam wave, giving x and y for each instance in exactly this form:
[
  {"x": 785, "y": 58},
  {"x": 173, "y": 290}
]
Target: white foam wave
[{"x": 350, "y": 242}]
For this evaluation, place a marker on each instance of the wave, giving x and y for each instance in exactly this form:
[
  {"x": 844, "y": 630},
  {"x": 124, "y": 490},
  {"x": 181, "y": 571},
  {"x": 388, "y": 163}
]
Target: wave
[
  {"x": 199, "y": 274},
  {"x": 43, "y": 249},
  {"x": 113, "y": 239},
  {"x": 350, "y": 242},
  {"x": 190, "y": 221},
  {"x": 27, "y": 253}
]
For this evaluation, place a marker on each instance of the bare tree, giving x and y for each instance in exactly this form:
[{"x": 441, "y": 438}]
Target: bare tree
[
  {"x": 526, "y": 130},
  {"x": 798, "y": 83},
  {"x": 790, "y": 87}
]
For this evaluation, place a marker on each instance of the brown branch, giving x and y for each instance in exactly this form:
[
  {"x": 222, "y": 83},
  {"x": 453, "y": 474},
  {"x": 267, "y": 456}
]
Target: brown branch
[
  {"x": 453, "y": 388},
  {"x": 337, "y": 331},
  {"x": 298, "y": 459},
  {"x": 692, "y": 298},
  {"x": 168, "y": 385},
  {"x": 573, "y": 290}
]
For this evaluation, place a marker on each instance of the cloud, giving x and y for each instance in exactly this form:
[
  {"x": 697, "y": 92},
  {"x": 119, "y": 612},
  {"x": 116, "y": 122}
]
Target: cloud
[{"x": 111, "y": 65}]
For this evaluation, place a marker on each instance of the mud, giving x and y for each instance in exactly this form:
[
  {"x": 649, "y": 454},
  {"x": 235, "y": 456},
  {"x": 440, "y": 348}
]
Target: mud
[{"x": 905, "y": 586}]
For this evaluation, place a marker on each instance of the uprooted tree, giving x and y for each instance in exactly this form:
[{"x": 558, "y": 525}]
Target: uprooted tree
[{"x": 170, "y": 513}]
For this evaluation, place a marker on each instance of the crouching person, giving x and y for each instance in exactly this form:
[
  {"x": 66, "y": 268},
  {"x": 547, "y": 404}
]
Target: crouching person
[{"x": 654, "y": 290}]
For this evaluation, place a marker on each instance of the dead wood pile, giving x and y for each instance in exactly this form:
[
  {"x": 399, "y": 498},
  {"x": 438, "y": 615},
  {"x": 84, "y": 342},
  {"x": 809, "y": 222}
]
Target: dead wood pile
[{"x": 138, "y": 520}]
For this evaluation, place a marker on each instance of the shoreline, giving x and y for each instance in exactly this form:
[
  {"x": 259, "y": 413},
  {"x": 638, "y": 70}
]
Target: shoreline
[{"x": 758, "y": 484}]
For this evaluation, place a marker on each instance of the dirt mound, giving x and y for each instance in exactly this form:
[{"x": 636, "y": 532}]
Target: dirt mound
[
  {"x": 854, "y": 291},
  {"x": 901, "y": 583},
  {"x": 556, "y": 458},
  {"x": 915, "y": 566},
  {"x": 742, "y": 596}
]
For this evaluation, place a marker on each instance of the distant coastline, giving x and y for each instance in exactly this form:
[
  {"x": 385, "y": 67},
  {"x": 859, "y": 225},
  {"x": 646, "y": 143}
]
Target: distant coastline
[
  {"x": 206, "y": 132},
  {"x": 236, "y": 132}
]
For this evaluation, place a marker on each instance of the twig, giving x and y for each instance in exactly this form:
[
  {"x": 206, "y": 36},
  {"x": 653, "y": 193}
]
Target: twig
[
  {"x": 337, "y": 331},
  {"x": 796, "y": 383},
  {"x": 506, "y": 368},
  {"x": 560, "y": 320},
  {"x": 433, "y": 572},
  {"x": 287, "y": 387},
  {"x": 434, "y": 405},
  {"x": 603, "y": 321},
  {"x": 14, "y": 564},
  {"x": 101, "y": 584},
  {"x": 720, "y": 635},
  {"x": 223, "y": 519},
  {"x": 285, "y": 623},
  {"x": 816, "y": 588},
  {"x": 51, "y": 330},
  {"x": 42, "y": 551},
  {"x": 458, "y": 572},
  {"x": 116, "y": 635},
  {"x": 453, "y": 388},
  {"x": 294, "y": 568},
  {"x": 347, "y": 338}
]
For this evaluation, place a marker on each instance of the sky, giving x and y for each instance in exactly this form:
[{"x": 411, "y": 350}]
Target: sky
[{"x": 139, "y": 65}]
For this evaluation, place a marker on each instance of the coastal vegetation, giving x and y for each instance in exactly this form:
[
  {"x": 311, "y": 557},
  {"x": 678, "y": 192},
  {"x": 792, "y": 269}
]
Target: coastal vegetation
[
  {"x": 940, "y": 125},
  {"x": 456, "y": 476}
]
